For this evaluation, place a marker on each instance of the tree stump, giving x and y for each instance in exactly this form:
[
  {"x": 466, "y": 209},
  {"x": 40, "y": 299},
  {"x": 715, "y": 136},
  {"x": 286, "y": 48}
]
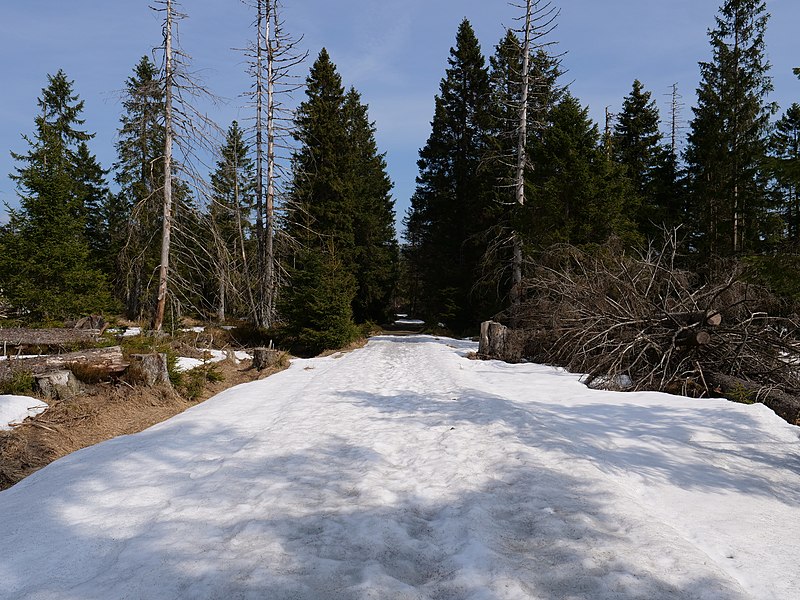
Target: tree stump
[
  {"x": 57, "y": 385},
  {"x": 148, "y": 369},
  {"x": 264, "y": 358}
]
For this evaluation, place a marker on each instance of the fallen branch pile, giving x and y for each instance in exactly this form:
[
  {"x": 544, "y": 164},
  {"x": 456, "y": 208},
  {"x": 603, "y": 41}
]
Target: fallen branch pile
[{"x": 641, "y": 323}]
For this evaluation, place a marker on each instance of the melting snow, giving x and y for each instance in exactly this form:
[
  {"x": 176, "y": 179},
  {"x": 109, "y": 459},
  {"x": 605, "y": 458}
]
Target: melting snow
[
  {"x": 184, "y": 363},
  {"x": 405, "y": 471},
  {"x": 15, "y": 409}
]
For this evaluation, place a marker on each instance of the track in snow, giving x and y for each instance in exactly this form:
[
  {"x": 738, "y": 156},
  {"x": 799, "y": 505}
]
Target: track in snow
[{"x": 405, "y": 471}]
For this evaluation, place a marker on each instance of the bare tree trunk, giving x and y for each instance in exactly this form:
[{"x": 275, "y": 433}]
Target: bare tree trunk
[
  {"x": 270, "y": 62},
  {"x": 675, "y": 109},
  {"x": 607, "y": 133},
  {"x": 221, "y": 300},
  {"x": 259, "y": 315},
  {"x": 269, "y": 253},
  {"x": 522, "y": 159},
  {"x": 166, "y": 231},
  {"x": 522, "y": 131}
]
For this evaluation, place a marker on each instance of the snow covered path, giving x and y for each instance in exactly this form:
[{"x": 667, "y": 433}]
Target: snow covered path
[{"x": 405, "y": 471}]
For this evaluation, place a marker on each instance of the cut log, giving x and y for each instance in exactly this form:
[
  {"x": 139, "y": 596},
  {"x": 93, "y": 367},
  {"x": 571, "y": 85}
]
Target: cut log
[
  {"x": 264, "y": 358},
  {"x": 691, "y": 338},
  {"x": 785, "y": 405},
  {"x": 148, "y": 369},
  {"x": 22, "y": 336},
  {"x": 108, "y": 359}
]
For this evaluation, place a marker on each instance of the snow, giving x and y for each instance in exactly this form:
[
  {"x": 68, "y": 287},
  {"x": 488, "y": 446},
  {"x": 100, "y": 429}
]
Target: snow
[
  {"x": 409, "y": 322},
  {"x": 184, "y": 363},
  {"x": 15, "y": 409},
  {"x": 197, "y": 329},
  {"x": 125, "y": 331},
  {"x": 404, "y": 470}
]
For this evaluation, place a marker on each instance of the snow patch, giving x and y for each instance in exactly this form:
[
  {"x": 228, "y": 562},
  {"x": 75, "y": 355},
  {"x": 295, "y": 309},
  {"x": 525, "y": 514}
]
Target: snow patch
[
  {"x": 15, "y": 409},
  {"x": 184, "y": 363},
  {"x": 404, "y": 470}
]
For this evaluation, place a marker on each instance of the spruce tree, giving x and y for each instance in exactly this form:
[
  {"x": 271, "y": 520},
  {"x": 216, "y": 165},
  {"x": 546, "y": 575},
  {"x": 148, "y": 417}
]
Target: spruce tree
[
  {"x": 320, "y": 195},
  {"x": 317, "y": 306},
  {"x": 785, "y": 162},
  {"x": 46, "y": 267},
  {"x": 232, "y": 197},
  {"x": 637, "y": 145},
  {"x": 451, "y": 208},
  {"x": 139, "y": 175},
  {"x": 727, "y": 141},
  {"x": 637, "y": 139},
  {"x": 581, "y": 196},
  {"x": 91, "y": 178},
  {"x": 375, "y": 246}
]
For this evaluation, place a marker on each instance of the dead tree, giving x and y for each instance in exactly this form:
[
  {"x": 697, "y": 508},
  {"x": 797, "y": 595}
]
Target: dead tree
[
  {"x": 675, "y": 107},
  {"x": 188, "y": 133},
  {"x": 271, "y": 60},
  {"x": 538, "y": 21},
  {"x": 166, "y": 231}
]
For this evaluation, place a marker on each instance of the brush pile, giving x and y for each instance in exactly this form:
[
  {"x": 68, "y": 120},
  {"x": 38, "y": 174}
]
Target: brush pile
[{"x": 643, "y": 323}]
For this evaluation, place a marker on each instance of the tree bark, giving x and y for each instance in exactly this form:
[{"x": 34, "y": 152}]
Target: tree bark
[
  {"x": 266, "y": 357},
  {"x": 148, "y": 369},
  {"x": 57, "y": 385},
  {"x": 166, "y": 231},
  {"x": 109, "y": 360},
  {"x": 21, "y": 336}
]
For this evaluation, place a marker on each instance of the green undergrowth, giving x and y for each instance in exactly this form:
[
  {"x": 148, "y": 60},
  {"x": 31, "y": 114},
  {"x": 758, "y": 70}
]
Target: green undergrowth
[
  {"x": 17, "y": 383},
  {"x": 193, "y": 382}
]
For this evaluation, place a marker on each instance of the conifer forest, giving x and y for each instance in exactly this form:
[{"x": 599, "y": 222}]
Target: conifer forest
[{"x": 285, "y": 222}]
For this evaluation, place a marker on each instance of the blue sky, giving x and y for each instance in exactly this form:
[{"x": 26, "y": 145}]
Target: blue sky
[{"x": 394, "y": 53}]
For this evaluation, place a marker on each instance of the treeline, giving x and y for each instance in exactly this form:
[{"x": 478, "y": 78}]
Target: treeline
[
  {"x": 316, "y": 231},
  {"x": 732, "y": 192},
  {"x": 307, "y": 246}
]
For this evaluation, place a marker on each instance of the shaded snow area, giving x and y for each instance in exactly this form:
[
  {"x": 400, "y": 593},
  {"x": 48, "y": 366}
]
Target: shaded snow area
[
  {"x": 15, "y": 409},
  {"x": 405, "y": 471}
]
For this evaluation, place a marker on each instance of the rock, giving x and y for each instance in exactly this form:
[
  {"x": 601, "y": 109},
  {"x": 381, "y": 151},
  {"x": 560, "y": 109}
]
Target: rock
[{"x": 92, "y": 322}]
